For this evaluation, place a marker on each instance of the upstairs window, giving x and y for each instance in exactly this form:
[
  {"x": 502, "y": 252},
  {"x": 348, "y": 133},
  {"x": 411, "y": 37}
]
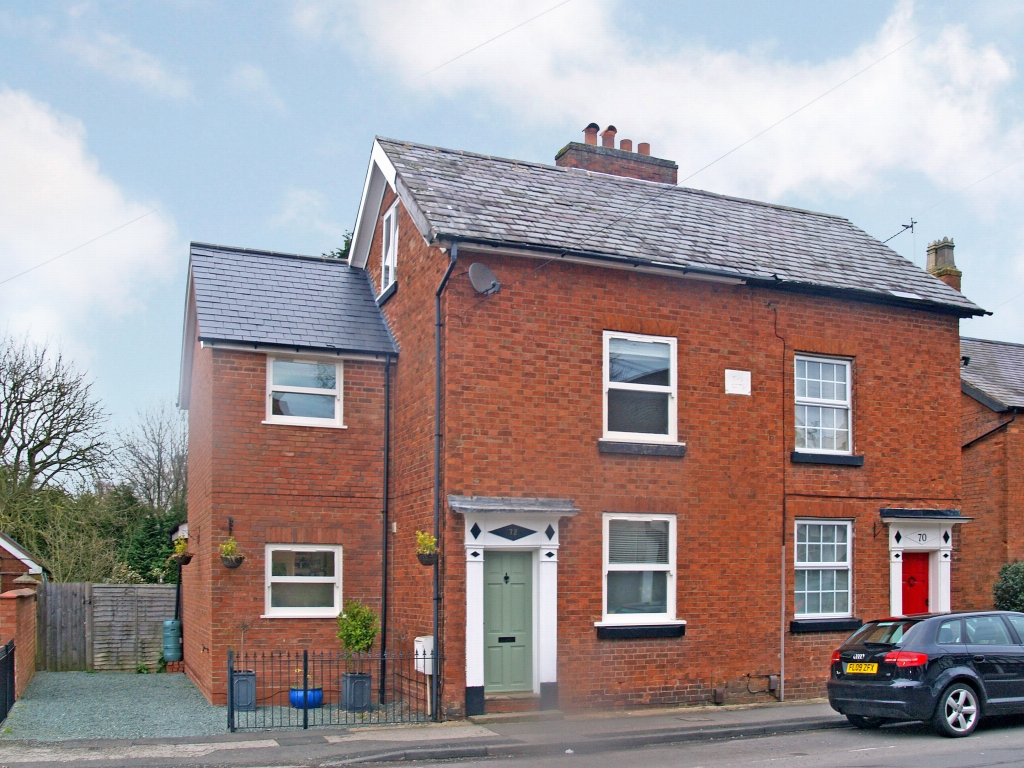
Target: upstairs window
[
  {"x": 639, "y": 387},
  {"x": 304, "y": 392},
  {"x": 639, "y": 568},
  {"x": 389, "y": 249},
  {"x": 822, "y": 584},
  {"x": 823, "y": 418}
]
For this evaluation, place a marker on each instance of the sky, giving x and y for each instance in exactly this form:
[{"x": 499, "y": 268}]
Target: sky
[{"x": 251, "y": 124}]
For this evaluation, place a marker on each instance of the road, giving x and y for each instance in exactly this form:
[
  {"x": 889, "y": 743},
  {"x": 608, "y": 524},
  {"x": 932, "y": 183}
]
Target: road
[{"x": 996, "y": 743}]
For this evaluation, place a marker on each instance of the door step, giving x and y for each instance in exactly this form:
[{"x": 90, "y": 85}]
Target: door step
[
  {"x": 518, "y": 717},
  {"x": 500, "y": 703}
]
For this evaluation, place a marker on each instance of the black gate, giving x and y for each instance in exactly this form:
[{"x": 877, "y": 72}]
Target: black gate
[
  {"x": 310, "y": 689},
  {"x": 6, "y": 679}
]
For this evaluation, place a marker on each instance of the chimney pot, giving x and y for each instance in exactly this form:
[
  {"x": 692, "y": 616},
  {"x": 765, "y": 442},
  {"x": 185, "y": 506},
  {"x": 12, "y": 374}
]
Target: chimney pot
[
  {"x": 626, "y": 145},
  {"x": 941, "y": 263},
  {"x": 590, "y": 134},
  {"x": 608, "y": 137},
  {"x": 643, "y": 148}
]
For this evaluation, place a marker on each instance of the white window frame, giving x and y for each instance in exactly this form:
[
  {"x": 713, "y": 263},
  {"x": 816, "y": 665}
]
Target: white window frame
[
  {"x": 304, "y": 421},
  {"x": 848, "y": 566},
  {"x": 846, "y": 404},
  {"x": 641, "y": 437},
  {"x": 641, "y": 619},
  {"x": 302, "y": 613},
  {"x": 389, "y": 256}
]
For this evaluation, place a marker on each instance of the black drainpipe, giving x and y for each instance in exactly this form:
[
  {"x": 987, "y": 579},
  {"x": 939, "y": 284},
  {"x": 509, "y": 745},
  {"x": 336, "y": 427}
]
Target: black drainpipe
[
  {"x": 435, "y": 698},
  {"x": 384, "y": 535}
]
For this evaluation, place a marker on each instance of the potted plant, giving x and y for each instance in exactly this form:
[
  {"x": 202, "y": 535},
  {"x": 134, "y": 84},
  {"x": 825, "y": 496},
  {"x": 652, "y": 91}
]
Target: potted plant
[
  {"x": 244, "y": 682},
  {"x": 313, "y": 693},
  {"x": 229, "y": 554},
  {"x": 426, "y": 548},
  {"x": 358, "y": 626},
  {"x": 181, "y": 555}
]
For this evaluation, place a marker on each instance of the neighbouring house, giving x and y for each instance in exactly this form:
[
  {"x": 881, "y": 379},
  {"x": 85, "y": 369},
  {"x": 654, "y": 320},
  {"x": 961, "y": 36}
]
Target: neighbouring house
[
  {"x": 992, "y": 386},
  {"x": 676, "y": 444},
  {"x": 15, "y": 562}
]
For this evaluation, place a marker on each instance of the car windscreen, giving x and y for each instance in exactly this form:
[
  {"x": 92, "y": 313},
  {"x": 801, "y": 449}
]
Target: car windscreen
[{"x": 882, "y": 632}]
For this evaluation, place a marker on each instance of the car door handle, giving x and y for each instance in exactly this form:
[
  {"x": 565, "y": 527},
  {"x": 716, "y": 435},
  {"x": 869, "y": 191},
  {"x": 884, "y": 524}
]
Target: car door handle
[{"x": 979, "y": 658}]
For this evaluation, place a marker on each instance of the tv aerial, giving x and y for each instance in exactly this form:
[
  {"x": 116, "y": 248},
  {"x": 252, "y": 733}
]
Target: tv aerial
[{"x": 483, "y": 279}]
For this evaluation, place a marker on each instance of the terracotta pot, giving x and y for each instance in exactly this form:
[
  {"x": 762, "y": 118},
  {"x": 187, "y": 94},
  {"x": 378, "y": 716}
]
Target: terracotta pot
[
  {"x": 232, "y": 561},
  {"x": 427, "y": 558}
]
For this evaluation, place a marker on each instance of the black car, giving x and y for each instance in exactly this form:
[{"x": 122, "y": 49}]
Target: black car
[{"x": 948, "y": 669}]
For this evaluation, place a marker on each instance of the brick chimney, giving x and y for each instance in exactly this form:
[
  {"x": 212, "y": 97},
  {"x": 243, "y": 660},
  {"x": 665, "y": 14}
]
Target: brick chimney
[
  {"x": 618, "y": 162},
  {"x": 941, "y": 264}
]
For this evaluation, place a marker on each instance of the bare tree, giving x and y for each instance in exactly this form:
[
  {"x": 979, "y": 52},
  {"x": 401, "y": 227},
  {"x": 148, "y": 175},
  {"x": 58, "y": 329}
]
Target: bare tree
[
  {"x": 152, "y": 458},
  {"x": 50, "y": 425}
]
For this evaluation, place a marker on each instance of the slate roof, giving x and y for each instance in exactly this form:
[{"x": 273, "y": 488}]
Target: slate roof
[
  {"x": 498, "y": 201},
  {"x": 996, "y": 368},
  {"x": 279, "y": 299}
]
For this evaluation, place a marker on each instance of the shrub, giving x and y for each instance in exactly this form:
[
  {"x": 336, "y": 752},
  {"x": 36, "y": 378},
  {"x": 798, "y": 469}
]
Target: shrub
[
  {"x": 1008, "y": 593},
  {"x": 358, "y": 626}
]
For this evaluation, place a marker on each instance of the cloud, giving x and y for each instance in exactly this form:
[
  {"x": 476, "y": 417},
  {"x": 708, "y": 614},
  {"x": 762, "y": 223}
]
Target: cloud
[
  {"x": 115, "y": 56},
  {"x": 933, "y": 108},
  {"x": 53, "y": 197},
  {"x": 251, "y": 82},
  {"x": 304, "y": 211}
]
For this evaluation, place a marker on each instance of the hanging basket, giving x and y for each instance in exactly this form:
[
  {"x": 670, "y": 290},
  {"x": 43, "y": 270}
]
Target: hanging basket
[
  {"x": 184, "y": 559},
  {"x": 427, "y": 558},
  {"x": 232, "y": 561}
]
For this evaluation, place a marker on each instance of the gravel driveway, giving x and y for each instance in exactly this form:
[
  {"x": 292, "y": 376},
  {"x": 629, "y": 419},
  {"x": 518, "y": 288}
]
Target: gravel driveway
[{"x": 111, "y": 705}]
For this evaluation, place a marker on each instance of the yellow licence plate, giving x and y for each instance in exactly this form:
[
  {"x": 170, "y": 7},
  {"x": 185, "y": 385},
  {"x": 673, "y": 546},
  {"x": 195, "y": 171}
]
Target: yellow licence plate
[{"x": 861, "y": 669}]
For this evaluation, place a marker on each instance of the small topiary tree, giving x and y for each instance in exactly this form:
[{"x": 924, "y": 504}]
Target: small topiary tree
[
  {"x": 358, "y": 626},
  {"x": 1008, "y": 593}
]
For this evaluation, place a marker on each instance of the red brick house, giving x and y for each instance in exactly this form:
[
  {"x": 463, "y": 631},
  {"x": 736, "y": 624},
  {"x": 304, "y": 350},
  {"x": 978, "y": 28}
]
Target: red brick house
[
  {"x": 992, "y": 386},
  {"x": 676, "y": 444}
]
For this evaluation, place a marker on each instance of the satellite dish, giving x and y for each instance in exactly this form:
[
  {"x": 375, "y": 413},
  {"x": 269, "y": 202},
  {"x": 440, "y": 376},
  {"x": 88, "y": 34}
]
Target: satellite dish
[{"x": 483, "y": 279}]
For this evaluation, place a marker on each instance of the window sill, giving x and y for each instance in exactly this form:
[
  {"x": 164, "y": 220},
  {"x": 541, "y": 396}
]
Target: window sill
[
  {"x": 606, "y": 631},
  {"x": 390, "y": 291},
  {"x": 804, "y": 626},
  {"x": 799, "y": 457},
  {"x": 305, "y": 424},
  {"x": 333, "y": 615},
  {"x": 641, "y": 449}
]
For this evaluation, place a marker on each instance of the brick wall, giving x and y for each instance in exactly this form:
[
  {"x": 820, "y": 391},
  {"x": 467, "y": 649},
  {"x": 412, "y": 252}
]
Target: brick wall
[
  {"x": 274, "y": 484},
  {"x": 18, "y": 622},
  {"x": 993, "y": 494}
]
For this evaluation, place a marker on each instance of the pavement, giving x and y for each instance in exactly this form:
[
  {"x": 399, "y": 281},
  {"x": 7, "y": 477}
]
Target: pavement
[{"x": 538, "y": 735}]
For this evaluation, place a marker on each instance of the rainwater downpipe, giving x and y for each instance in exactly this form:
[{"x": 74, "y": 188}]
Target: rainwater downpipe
[
  {"x": 782, "y": 604},
  {"x": 384, "y": 534},
  {"x": 438, "y": 330}
]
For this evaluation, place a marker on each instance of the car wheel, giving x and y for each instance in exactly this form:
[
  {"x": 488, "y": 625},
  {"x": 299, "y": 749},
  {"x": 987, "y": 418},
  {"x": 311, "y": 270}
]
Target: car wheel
[
  {"x": 867, "y": 723},
  {"x": 957, "y": 713}
]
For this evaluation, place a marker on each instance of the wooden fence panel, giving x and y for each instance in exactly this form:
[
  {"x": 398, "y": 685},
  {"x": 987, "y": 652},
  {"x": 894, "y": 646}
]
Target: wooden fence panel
[
  {"x": 102, "y": 627},
  {"x": 61, "y": 618}
]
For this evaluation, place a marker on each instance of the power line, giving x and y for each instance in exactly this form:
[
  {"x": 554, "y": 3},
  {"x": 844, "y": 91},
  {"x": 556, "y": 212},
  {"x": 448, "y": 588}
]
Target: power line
[
  {"x": 62, "y": 255},
  {"x": 951, "y": 196},
  {"x": 565, "y": 251},
  {"x": 507, "y": 31}
]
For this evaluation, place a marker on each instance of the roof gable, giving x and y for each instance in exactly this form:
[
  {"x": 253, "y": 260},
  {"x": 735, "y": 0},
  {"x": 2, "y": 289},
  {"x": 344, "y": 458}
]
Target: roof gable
[
  {"x": 454, "y": 195},
  {"x": 995, "y": 372}
]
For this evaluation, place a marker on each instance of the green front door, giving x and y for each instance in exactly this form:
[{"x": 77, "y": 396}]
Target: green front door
[{"x": 508, "y": 621}]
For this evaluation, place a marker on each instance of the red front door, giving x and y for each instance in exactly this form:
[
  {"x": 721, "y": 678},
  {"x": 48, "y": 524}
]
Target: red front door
[{"x": 915, "y": 583}]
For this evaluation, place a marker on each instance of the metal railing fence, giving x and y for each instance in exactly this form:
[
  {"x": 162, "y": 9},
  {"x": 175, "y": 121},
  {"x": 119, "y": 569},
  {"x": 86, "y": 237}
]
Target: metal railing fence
[
  {"x": 7, "y": 684},
  {"x": 312, "y": 689}
]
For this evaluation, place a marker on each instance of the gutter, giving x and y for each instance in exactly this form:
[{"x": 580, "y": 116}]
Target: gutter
[
  {"x": 765, "y": 279},
  {"x": 438, "y": 332}
]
